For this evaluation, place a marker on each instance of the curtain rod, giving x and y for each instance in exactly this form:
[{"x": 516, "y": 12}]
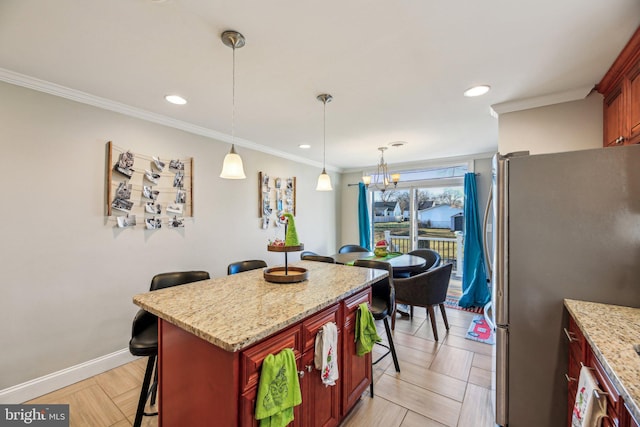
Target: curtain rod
[{"x": 351, "y": 185}]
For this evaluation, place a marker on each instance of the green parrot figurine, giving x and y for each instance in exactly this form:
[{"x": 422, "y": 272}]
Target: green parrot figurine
[{"x": 291, "y": 236}]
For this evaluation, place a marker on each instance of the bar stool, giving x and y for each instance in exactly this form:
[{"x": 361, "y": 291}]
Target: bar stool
[
  {"x": 383, "y": 304},
  {"x": 144, "y": 337}
]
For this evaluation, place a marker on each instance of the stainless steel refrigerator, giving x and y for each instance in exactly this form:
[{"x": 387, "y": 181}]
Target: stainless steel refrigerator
[{"x": 565, "y": 225}]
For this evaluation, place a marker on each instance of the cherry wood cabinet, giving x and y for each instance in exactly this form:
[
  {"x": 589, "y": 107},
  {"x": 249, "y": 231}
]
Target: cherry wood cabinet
[
  {"x": 621, "y": 89},
  {"x": 629, "y": 419},
  {"x": 580, "y": 353},
  {"x": 202, "y": 384},
  {"x": 356, "y": 370}
]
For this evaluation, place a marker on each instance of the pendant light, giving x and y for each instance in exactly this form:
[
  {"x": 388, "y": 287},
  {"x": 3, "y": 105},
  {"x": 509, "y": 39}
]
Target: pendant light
[
  {"x": 232, "y": 167},
  {"x": 324, "y": 180}
]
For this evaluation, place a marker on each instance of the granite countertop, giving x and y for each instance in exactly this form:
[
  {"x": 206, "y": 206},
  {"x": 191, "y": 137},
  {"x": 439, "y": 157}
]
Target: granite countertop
[
  {"x": 612, "y": 330},
  {"x": 233, "y": 312}
]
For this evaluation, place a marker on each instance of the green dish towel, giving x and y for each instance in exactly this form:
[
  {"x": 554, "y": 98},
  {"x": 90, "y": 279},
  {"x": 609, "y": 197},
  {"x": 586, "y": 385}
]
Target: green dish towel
[
  {"x": 366, "y": 334},
  {"x": 278, "y": 390}
]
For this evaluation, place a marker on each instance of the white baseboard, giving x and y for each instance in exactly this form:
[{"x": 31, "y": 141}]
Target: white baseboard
[{"x": 56, "y": 380}]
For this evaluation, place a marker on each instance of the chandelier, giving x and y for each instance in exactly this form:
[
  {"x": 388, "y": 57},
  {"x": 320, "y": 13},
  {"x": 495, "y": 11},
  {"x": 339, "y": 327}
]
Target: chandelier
[{"x": 382, "y": 179}]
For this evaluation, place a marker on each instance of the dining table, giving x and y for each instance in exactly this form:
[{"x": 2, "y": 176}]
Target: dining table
[{"x": 401, "y": 263}]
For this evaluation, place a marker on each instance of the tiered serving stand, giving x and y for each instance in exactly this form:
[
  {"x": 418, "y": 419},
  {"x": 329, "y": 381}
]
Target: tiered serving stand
[{"x": 285, "y": 274}]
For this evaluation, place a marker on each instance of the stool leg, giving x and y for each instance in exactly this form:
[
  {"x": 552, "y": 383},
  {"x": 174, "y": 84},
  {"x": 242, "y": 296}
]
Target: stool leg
[
  {"x": 144, "y": 392},
  {"x": 391, "y": 346},
  {"x": 154, "y": 386},
  {"x": 371, "y": 384}
]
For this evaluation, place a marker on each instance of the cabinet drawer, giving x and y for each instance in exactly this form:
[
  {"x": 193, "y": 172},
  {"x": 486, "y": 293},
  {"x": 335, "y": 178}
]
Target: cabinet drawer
[
  {"x": 311, "y": 326},
  {"x": 576, "y": 341},
  {"x": 251, "y": 359},
  {"x": 351, "y": 304},
  {"x": 614, "y": 403}
]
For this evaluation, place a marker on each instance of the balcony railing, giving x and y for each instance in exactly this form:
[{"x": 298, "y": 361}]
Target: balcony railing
[{"x": 450, "y": 250}]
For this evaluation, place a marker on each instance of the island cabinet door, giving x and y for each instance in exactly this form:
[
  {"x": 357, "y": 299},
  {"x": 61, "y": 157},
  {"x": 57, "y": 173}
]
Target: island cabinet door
[
  {"x": 251, "y": 364},
  {"x": 355, "y": 370},
  {"x": 321, "y": 404}
]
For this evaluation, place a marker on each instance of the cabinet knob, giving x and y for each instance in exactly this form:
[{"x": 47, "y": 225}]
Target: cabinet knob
[
  {"x": 309, "y": 368},
  {"x": 620, "y": 140},
  {"x": 301, "y": 374}
]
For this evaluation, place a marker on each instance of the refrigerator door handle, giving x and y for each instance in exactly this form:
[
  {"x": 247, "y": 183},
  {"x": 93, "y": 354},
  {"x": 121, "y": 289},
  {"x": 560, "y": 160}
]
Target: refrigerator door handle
[{"x": 485, "y": 242}]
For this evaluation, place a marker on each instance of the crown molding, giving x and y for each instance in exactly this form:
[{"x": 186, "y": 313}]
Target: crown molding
[
  {"x": 39, "y": 85},
  {"x": 541, "y": 101}
]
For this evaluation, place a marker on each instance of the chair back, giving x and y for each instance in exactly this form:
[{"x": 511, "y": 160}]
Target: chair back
[
  {"x": 425, "y": 289},
  {"x": 383, "y": 289},
  {"x": 166, "y": 280},
  {"x": 352, "y": 248},
  {"x": 240, "y": 266},
  {"x": 318, "y": 258},
  {"x": 305, "y": 253},
  {"x": 432, "y": 257},
  {"x": 144, "y": 329}
]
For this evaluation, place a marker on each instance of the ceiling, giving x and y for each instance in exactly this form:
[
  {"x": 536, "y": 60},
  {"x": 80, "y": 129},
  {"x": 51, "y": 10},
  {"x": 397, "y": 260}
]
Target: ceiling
[{"x": 396, "y": 69}]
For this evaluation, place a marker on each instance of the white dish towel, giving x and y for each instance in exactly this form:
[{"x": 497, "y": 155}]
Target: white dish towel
[
  {"x": 589, "y": 407},
  {"x": 326, "y": 353}
]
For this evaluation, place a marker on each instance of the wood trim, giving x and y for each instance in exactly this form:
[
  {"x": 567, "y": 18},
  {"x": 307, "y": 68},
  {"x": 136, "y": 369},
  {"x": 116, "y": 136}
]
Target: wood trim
[
  {"x": 109, "y": 176},
  {"x": 629, "y": 55}
]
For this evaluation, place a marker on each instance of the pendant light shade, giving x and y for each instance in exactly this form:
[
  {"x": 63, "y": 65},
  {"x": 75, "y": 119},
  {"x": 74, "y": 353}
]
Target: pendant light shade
[
  {"x": 324, "y": 180},
  {"x": 232, "y": 167}
]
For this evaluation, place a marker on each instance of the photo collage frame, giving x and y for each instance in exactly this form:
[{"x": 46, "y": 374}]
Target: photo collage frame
[
  {"x": 159, "y": 192},
  {"x": 277, "y": 196}
]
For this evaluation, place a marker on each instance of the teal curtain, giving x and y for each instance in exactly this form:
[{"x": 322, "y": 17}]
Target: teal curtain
[
  {"x": 363, "y": 217},
  {"x": 475, "y": 291}
]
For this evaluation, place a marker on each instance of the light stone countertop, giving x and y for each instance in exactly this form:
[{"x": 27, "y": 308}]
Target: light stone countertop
[
  {"x": 611, "y": 330},
  {"x": 233, "y": 312}
]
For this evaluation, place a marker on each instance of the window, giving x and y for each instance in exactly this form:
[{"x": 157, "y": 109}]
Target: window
[{"x": 425, "y": 211}]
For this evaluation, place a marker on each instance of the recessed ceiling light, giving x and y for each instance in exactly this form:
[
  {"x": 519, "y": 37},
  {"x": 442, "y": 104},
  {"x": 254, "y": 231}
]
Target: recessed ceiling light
[
  {"x": 304, "y": 146},
  {"x": 397, "y": 143},
  {"x": 477, "y": 90},
  {"x": 175, "y": 99}
]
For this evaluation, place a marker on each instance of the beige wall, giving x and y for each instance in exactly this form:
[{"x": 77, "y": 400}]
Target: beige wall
[
  {"x": 68, "y": 274},
  {"x": 569, "y": 126}
]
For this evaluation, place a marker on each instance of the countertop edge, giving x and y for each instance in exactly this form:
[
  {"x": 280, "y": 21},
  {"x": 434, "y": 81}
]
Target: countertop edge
[{"x": 631, "y": 404}]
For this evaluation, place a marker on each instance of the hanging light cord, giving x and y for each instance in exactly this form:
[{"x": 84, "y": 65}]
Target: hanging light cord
[
  {"x": 233, "y": 96},
  {"x": 324, "y": 136}
]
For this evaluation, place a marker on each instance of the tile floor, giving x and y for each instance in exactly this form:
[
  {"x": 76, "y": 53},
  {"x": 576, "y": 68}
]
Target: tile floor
[{"x": 445, "y": 383}]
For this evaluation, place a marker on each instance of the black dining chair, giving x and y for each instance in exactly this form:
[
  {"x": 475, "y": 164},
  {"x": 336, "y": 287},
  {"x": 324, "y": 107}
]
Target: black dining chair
[
  {"x": 432, "y": 260},
  {"x": 382, "y": 307},
  {"x": 144, "y": 337},
  {"x": 431, "y": 257},
  {"x": 240, "y": 266},
  {"x": 352, "y": 248},
  {"x": 426, "y": 289},
  {"x": 319, "y": 258},
  {"x": 305, "y": 253}
]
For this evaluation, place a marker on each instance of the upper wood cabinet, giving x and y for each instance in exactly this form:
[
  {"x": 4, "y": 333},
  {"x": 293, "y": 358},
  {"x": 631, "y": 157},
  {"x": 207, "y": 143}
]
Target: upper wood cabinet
[{"x": 621, "y": 90}]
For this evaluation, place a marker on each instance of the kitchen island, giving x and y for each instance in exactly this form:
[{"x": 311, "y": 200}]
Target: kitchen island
[
  {"x": 214, "y": 334},
  {"x": 603, "y": 336}
]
